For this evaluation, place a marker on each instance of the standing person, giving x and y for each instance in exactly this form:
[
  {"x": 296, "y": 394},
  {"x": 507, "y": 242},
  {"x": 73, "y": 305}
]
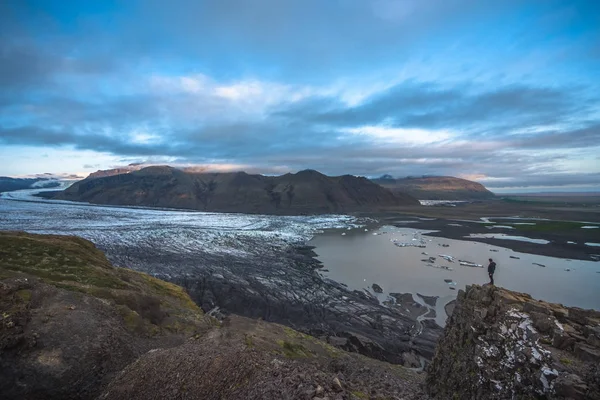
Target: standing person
[{"x": 491, "y": 270}]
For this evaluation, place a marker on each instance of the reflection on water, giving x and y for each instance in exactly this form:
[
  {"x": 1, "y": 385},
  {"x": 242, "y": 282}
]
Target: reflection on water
[{"x": 359, "y": 260}]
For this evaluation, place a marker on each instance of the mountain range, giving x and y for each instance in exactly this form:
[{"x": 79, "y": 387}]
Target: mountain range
[
  {"x": 305, "y": 192},
  {"x": 435, "y": 187},
  {"x": 8, "y": 184}
]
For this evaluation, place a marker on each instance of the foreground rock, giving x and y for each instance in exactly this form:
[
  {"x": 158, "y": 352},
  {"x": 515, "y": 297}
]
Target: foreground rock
[
  {"x": 70, "y": 323},
  {"x": 501, "y": 345},
  {"x": 251, "y": 359},
  {"x": 306, "y": 192}
]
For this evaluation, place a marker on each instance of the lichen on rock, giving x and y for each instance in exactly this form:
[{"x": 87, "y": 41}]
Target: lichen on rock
[{"x": 500, "y": 345}]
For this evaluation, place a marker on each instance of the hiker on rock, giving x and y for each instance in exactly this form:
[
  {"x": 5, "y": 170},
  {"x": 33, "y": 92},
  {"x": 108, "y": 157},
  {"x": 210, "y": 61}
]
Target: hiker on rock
[{"x": 491, "y": 270}]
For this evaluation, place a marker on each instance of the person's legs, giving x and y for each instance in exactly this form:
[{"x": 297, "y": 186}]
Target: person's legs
[{"x": 491, "y": 278}]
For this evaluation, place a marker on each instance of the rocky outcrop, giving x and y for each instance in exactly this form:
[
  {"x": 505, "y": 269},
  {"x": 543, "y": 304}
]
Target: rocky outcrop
[
  {"x": 436, "y": 187},
  {"x": 69, "y": 321},
  {"x": 500, "y": 344},
  {"x": 306, "y": 192}
]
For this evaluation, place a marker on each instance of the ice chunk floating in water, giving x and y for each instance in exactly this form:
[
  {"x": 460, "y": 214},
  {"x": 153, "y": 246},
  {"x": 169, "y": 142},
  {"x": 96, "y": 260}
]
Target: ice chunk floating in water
[{"x": 507, "y": 237}]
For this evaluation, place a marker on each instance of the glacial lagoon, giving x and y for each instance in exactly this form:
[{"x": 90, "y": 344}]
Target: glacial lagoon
[{"x": 359, "y": 259}]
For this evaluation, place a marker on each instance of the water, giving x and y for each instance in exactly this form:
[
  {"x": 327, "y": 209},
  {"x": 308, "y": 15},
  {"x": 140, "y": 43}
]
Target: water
[
  {"x": 438, "y": 202},
  {"x": 508, "y": 237},
  {"x": 359, "y": 260}
]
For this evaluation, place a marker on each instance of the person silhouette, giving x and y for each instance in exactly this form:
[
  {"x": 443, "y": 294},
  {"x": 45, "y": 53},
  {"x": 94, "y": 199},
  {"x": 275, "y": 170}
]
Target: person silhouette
[{"x": 491, "y": 270}]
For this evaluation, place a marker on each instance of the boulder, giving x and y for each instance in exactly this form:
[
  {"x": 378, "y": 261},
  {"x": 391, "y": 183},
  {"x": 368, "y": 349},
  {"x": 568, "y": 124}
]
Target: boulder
[
  {"x": 571, "y": 386},
  {"x": 499, "y": 344},
  {"x": 587, "y": 353}
]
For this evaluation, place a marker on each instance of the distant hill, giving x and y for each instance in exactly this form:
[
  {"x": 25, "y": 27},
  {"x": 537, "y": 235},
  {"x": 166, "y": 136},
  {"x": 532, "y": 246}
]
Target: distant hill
[
  {"x": 435, "y": 187},
  {"x": 306, "y": 192},
  {"x": 10, "y": 184},
  {"x": 101, "y": 173}
]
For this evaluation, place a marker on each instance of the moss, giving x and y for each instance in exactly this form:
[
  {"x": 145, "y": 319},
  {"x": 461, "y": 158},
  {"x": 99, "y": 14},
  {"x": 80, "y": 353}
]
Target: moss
[
  {"x": 293, "y": 350},
  {"x": 132, "y": 319},
  {"x": 5, "y": 274},
  {"x": 546, "y": 340},
  {"x": 24, "y": 295},
  {"x": 329, "y": 349},
  {"x": 146, "y": 303},
  {"x": 566, "y": 361},
  {"x": 551, "y": 226},
  {"x": 56, "y": 259},
  {"x": 359, "y": 394},
  {"x": 168, "y": 289},
  {"x": 401, "y": 370},
  {"x": 249, "y": 341}
]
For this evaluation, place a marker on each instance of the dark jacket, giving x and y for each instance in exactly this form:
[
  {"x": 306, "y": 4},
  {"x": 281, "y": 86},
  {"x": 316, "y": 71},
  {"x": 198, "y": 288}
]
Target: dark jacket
[{"x": 491, "y": 267}]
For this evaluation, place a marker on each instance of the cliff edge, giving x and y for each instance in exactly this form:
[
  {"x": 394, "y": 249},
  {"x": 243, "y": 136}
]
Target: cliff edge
[{"x": 500, "y": 344}]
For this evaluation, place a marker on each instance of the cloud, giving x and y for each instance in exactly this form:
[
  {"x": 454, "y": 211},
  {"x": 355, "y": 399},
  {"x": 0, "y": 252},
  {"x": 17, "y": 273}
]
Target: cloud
[
  {"x": 364, "y": 87},
  {"x": 154, "y": 124},
  {"x": 427, "y": 105}
]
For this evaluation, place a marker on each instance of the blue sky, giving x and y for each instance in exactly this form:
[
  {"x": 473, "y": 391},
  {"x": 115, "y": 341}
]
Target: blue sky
[{"x": 505, "y": 93}]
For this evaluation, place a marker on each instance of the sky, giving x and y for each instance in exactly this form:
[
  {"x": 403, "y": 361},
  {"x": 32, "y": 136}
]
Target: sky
[{"x": 506, "y": 93}]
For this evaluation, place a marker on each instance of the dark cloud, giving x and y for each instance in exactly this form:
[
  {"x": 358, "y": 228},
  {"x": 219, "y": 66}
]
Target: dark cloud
[
  {"x": 549, "y": 180},
  {"x": 426, "y": 105},
  {"x": 566, "y": 139}
]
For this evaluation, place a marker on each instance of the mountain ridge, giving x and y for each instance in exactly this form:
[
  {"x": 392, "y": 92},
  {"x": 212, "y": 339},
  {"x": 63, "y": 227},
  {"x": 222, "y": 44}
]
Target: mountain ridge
[
  {"x": 435, "y": 187},
  {"x": 305, "y": 192}
]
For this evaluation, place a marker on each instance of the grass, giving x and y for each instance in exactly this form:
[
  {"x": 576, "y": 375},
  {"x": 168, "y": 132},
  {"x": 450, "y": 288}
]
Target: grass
[
  {"x": 359, "y": 394},
  {"x": 294, "y": 350},
  {"x": 24, "y": 295},
  {"x": 57, "y": 259},
  {"x": 551, "y": 226},
  {"x": 329, "y": 349},
  {"x": 74, "y": 264}
]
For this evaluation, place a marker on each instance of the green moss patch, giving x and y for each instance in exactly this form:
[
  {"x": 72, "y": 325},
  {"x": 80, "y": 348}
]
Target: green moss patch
[
  {"x": 146, "y": 304},
  {"x": 24, "y": 295},
  {"x": 552, "y": 226},
  {"x": 55, "y": 258},
  {"x": 294, "y": 350}
]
